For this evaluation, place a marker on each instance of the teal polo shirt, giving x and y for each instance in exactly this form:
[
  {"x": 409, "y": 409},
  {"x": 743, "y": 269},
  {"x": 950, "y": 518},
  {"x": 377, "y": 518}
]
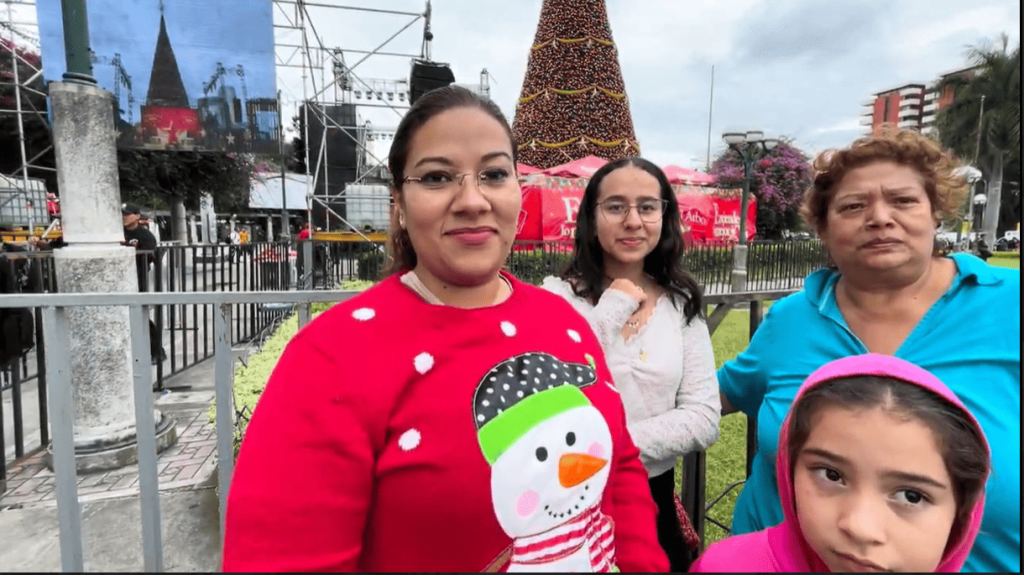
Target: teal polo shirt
[{"x": 970, "y": 339}]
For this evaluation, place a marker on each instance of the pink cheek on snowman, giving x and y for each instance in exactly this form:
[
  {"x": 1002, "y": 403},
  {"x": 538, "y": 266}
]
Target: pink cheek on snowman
[
  {"x": 527, "y": 503},
  {"x": 596, "y": 450}
]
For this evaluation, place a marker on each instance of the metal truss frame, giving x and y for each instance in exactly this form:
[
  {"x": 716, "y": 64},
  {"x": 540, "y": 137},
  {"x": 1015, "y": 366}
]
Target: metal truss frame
[{"x": 313, "y": 56}]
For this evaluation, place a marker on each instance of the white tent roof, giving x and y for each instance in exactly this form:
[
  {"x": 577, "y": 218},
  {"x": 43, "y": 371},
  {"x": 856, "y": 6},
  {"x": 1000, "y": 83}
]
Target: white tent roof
[{"x": 265, "y": 192}]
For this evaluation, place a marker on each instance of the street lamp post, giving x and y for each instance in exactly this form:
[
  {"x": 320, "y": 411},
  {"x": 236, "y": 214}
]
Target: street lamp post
[
  {"x": 76, "y": 42},
  {"x": 751, "y": 146},
  {"x": 979, "y": 213},
  {"x": 973, "y": 176}
]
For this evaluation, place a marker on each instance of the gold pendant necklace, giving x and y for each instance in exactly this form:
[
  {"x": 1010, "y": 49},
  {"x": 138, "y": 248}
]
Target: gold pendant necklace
[{"x": 643, "y": 355}]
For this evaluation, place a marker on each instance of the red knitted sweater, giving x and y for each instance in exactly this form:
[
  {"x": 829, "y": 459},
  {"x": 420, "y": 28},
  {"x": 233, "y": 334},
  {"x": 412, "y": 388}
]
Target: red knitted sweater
[{"x": 395, "y": 435}]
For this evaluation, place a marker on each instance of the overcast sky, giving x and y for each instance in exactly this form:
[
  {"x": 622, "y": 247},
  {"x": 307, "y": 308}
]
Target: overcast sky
[{"x": 796, "y": 68}]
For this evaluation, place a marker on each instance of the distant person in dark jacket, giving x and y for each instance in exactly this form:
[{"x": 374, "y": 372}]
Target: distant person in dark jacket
[
  {"x": 984, "y": 252},
  {"x": 140, "y": 238}
]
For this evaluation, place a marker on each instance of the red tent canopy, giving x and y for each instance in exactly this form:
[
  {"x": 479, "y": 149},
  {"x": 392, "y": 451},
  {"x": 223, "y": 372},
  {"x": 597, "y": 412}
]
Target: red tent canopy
[
  {"x": 550, "y": 206},
  {"x": 585, "y": 167},
  {"x": 679, "y": 175},
  {"x": 524, "y": 170},
  {"x": 581, "y": 168}
]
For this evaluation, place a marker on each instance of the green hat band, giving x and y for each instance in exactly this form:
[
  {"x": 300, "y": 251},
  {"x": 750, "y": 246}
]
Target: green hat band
[{"x": 502, "y": 431}]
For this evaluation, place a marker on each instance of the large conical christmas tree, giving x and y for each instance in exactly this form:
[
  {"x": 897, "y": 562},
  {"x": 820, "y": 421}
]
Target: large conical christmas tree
[{"x": 573, "y": 102}]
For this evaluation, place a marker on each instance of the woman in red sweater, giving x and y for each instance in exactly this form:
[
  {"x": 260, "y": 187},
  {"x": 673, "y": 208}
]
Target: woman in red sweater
[{"x": 451, "y": 418}]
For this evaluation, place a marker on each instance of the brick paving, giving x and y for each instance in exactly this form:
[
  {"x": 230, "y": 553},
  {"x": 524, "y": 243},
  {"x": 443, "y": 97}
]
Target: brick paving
[{"x": 188, "y": 462}]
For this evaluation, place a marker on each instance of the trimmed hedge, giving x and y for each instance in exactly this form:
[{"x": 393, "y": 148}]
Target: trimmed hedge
[{"x": 708, "y": 264}]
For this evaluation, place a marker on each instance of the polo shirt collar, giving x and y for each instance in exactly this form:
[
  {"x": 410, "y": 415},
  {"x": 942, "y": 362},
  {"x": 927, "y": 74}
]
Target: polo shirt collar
[{"x": 821, "y": 282}]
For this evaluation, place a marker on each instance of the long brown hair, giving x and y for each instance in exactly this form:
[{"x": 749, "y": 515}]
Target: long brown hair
[{"x": 665, "y": 262}]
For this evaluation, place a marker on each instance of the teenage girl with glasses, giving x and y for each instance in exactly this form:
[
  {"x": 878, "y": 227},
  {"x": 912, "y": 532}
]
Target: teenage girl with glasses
[{"x": 626, "y": 278}]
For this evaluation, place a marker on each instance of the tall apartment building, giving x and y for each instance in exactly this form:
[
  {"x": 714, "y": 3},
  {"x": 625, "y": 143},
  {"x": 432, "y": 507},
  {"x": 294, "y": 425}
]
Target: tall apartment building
[{"x": 914, "y": 105}]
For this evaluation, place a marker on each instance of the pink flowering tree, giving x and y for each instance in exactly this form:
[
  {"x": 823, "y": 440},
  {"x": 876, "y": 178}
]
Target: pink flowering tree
[{"x": 778, "y": 182}]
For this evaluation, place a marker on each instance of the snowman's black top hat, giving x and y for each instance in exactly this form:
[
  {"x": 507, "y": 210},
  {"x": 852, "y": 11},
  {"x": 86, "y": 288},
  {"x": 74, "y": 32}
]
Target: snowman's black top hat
[{"x": 531, "y": 383}]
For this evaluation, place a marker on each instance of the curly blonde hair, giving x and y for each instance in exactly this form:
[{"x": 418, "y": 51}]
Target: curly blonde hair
[{"x": 946, "y": 190}]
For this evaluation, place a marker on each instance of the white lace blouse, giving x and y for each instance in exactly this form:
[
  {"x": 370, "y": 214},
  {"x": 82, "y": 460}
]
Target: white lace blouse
[{"x": 665, "y": 374}]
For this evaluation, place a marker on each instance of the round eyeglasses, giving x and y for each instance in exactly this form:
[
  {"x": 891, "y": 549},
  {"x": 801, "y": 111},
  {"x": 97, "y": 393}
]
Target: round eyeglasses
[
  {"x": 616, "y": 211},
  {"x": 491, "y": 178}
]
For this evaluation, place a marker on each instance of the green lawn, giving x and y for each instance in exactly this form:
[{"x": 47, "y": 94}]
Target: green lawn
[
  {"x": 726, "y": 459},
  {"x": 1005, "y": 261}
]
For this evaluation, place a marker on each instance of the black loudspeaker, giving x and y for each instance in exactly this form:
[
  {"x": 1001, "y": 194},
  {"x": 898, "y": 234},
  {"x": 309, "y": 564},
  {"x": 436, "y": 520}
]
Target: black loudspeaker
[
  {"x": 427, "y": 76},
  {"x": 341, "y": 157}
]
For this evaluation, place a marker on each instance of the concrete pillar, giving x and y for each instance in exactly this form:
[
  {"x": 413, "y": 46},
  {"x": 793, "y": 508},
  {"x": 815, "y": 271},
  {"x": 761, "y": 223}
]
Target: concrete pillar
[
  {"x": 95, "y": 261},
  {"x": 179, "y": 232},
  {"x": 739, "y": 268}
]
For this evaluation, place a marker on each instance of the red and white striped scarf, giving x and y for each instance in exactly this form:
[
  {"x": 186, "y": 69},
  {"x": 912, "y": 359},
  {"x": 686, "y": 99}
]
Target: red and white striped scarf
[{"x": 591, "y": 528}]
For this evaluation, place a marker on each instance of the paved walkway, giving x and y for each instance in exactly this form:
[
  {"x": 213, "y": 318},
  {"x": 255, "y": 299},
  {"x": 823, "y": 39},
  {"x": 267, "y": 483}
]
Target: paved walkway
[
  {"x": 189, "y": 462},
  {"x": 111, "y": 521}
]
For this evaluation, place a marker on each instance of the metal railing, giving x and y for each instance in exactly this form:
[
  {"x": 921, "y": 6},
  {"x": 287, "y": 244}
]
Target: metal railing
[
  {"x": 771, "y": 265},
  {"x": 23, "y": 272},
  {"x": 260, "y": 266},
  {"x": 783, "y": 264},
  {"x": 55, "y": 331},
  {"x": 336, "y": 261},
  {"x": 693, "y": 495},
  {"x": 184, "y": 330}
]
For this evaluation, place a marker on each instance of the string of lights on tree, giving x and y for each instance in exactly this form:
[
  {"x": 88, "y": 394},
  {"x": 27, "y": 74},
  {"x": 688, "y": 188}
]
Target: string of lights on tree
[{"x": 573, "y": 103}]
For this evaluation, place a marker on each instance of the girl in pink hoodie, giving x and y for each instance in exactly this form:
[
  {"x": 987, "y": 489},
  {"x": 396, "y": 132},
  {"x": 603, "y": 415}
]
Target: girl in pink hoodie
[{"x": 880, "y": 468}]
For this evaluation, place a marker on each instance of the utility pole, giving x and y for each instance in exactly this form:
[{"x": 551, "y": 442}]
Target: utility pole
[
  {"x": 711, "y": 105},
  {"x": 284, "y": 195}
]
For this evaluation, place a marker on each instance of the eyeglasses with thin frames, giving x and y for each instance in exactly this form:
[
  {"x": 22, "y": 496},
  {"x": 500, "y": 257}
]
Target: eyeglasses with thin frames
[
  {"x": 616, "y": 211},
  {"x": 488, "y": 179}
]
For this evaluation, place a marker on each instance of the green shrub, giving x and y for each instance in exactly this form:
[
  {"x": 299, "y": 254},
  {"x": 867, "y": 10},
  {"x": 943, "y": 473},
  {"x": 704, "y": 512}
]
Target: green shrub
[
  {"x": 251, "y": 379},
  {"x": 532, "y": 266},
  {"x": 371, "y": 265}
]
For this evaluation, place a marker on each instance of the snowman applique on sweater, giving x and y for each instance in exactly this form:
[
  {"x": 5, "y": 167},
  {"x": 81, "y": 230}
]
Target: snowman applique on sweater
[{"x": 550, "y": 452}]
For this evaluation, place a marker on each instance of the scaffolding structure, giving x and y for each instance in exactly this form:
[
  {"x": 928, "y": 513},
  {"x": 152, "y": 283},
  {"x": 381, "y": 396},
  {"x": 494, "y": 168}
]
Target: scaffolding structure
[
  {"x": 328, "y": 79},
  {"x": 18, "y": 30}
]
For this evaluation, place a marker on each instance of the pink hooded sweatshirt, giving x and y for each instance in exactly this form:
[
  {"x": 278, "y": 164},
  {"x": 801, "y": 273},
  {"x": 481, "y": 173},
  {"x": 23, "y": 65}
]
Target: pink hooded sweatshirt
[{"x": 783, "y": 548}]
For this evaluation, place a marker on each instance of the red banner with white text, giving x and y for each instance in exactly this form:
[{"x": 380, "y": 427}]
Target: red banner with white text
[{"x": 549, "y": 213}]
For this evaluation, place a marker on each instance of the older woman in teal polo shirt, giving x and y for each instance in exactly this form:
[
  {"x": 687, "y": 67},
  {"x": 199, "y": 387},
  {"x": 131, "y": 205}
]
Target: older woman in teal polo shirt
[{"x": 876, "y": 206}]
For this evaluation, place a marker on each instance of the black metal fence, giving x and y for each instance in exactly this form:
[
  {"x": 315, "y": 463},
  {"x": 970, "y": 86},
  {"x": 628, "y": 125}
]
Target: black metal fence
[
  {"x": 262, "y": 266},
  {"x": 181, "y": 335},
  {"x": 186, "y": 329},
  {"x": 771, "y": 265},
  {"x": 22, "y": 376},
  {"x": 335, "y": 262},
  {"x": 784, "y": 264}
]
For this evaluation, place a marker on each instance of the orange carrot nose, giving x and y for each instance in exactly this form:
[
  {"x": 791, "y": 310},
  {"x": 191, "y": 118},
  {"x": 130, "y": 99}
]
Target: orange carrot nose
[{"x": 575, "y": 468}]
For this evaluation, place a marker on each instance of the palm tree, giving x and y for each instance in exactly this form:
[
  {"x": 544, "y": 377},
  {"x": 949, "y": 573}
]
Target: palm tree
[{"x": 983, "y": 122}]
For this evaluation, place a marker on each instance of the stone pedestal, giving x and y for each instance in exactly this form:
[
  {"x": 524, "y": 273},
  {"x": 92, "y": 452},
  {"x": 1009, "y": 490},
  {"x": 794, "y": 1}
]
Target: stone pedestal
[
  {"x": 179, "y": 231},
  {"x": 739, "y": 268},
  {"x": 94, "y": 261}
]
